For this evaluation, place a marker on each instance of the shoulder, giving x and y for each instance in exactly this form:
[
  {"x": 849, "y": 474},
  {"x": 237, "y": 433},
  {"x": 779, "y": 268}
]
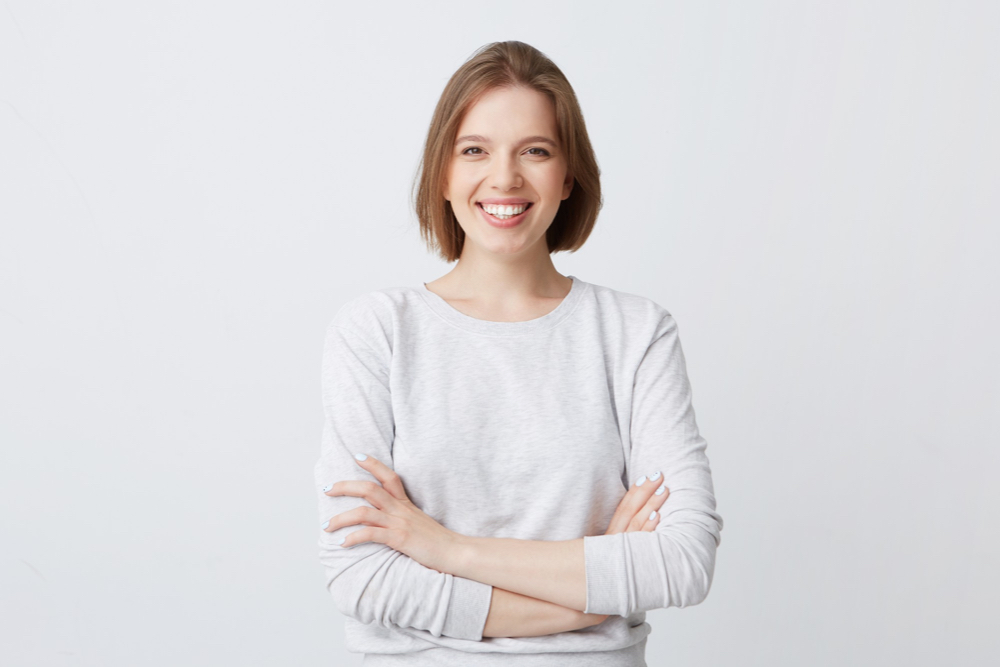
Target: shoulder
[
  {"x": 374, "y": 315},
  {"x": 640, "y": 315},
  {"x": 642, "y": 328}
]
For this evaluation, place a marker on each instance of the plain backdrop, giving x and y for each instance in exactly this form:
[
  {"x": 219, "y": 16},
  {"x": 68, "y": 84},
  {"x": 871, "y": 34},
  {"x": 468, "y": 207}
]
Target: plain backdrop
[{"x": 190, "y": 190}]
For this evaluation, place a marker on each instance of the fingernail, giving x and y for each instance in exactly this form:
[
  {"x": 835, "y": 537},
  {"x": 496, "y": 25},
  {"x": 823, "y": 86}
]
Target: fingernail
[
  {"x": 656, "y": 475},
  {"x": 659, "y": 491},
  {"x": 653, "y": 515},
  {"x": 325, "y": 524},
  {"x": 327, "y": 488},
  {"x": 361, "y": 457},
  {"x": 341, "y": 541},
  {"x": 640, "y": 481}
]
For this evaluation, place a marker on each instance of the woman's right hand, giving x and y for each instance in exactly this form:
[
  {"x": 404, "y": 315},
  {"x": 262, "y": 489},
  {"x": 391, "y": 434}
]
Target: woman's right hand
[
  {"x": 633, "y": 514},
  {"x": 636, "y": 508}
]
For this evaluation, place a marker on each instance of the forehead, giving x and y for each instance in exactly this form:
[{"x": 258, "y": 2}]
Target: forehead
[{"x": 510, "y": 112}]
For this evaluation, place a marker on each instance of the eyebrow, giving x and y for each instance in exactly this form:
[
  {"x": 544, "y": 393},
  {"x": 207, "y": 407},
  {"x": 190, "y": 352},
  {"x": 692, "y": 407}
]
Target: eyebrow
[{"x": 526, "y": 140}]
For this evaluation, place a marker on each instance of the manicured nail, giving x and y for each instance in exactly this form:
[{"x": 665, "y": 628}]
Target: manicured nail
[
  {"x": 640, "y": 481},
  {"x": 325, "y": 524},
  {"x": 653, "y": 515},
  {"x": 659, "y": 491},
  {"x": 327, "y": 488},
  {"x": 341, "y": 541},
  {"x": 361, "y": 457},
  {"x": 656, "y": 475}
]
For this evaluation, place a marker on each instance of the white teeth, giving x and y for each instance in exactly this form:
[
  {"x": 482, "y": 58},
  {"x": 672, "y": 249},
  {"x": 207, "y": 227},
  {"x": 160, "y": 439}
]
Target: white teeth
[{"x": 504, "y": 212}]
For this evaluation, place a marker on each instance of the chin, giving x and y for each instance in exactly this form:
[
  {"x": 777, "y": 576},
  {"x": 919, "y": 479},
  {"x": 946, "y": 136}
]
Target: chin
[{"x": 511, "y": 244}]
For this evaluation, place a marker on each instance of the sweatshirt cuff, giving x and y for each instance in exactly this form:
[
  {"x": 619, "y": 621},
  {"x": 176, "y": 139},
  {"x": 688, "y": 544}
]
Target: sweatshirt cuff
[
  {"x": 468, "y": 608},
  {"x": 607, "y": 575}
]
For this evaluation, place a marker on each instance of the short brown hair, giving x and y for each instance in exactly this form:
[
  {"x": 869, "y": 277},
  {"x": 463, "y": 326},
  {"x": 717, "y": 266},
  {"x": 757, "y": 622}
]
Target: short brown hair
[{"x": 501, "y": 65}]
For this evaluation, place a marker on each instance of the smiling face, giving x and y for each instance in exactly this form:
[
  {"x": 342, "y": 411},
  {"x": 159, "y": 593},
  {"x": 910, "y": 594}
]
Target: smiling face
[{"x": 507, "y": 152}]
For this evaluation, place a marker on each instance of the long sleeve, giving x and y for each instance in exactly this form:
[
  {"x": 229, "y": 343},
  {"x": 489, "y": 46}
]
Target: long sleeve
[
  {"x": 673, "y": 565},
  {"x": 372, "y": 582}
]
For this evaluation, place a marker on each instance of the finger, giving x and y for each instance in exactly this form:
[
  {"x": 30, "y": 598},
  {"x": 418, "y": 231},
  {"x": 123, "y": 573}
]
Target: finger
[
  {"x": 636, "y": 497},
  {"x": 368, "y": 534},
  {"x": 384, "y": 474},
  {"x": 653, "y": 503},
  {"x": 627, "y": 507},
  {"x": 364, "y": 515},
  {"x": 360, "y": 488}
]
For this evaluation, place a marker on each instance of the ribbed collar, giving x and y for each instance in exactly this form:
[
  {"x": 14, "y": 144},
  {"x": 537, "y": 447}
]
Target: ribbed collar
[{"x": 459, "y": 319}]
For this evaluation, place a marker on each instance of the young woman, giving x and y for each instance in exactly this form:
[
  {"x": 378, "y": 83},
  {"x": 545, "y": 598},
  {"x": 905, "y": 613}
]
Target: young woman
[{"x": 482, "y": 429}]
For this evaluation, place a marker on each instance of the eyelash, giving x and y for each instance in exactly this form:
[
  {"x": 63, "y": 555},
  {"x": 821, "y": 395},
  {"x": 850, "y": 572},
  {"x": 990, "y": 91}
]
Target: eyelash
[{"x": 530, "y": 149}]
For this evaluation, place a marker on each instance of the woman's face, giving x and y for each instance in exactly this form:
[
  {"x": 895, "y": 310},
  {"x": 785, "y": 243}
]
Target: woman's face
[{"x": 507, "y": 152}]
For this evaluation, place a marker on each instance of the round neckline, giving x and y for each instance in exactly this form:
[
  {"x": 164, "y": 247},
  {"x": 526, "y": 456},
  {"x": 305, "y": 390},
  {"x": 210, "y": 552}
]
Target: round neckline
[{"x": 459, "y": 319}]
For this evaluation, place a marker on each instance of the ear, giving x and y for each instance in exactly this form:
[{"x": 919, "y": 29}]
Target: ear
[{"x": 568, "y": 186}]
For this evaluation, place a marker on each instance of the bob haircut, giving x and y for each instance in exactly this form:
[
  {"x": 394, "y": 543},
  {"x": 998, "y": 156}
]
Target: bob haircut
[{"x": 505, "y": 65}]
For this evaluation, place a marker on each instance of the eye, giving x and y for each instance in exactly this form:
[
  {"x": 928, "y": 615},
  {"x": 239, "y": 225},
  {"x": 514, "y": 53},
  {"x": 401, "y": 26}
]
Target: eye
[
  {"x": 471, "y": 148},
  {"x": 544, "y": 152}
]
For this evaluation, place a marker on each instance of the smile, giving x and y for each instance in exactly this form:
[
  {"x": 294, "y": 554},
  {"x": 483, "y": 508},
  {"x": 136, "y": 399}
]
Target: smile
[{"x": 504, "y": 216}]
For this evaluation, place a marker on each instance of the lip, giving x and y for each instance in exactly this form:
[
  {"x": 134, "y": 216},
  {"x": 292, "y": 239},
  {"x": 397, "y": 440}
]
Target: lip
[
  {"x": 504, "y": 201},
  {"x": 503, "y": 224}
]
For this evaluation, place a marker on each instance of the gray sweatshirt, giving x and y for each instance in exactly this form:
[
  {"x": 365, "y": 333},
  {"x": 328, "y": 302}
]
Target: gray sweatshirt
[{"x": 529, "y": 430}]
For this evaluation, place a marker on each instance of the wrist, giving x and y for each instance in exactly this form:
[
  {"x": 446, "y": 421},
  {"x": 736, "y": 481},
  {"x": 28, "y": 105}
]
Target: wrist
[
  {"x": 580, "y": 619},
  {"x": 462, "y": 552},
  {"x": 594, "y": 619}
]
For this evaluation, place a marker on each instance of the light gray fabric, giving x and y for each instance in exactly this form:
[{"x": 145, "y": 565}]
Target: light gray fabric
[{"x": 529, "y": 430}]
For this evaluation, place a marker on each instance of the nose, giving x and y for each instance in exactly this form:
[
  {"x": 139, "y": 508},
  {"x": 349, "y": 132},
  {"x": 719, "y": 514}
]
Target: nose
[{"x": 506, "y": 174}]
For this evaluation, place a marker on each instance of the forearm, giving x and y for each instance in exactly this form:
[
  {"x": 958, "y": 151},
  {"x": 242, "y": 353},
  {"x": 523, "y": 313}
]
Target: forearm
[
  {"x": 516, "y": 615},
  {"x": 552, "y": 571}
]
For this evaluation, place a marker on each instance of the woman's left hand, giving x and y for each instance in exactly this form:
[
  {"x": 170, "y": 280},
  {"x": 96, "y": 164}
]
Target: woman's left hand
[{"x": 394, "y": 520}]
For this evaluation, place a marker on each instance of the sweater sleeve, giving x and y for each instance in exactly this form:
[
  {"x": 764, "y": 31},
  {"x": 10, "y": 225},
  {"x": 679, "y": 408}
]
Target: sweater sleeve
[
  {"x": 673, "y": 565},
  {"x": 370, "y": 581}
]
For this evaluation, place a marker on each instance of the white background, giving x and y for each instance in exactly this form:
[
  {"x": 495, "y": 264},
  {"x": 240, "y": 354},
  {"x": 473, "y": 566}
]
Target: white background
[{"x": 189, "y": 191}]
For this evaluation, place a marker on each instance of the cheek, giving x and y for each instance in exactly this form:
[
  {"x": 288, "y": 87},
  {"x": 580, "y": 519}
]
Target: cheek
[
  {"x": 554, "y": 192},
  {"x": 553, "y": 176},
  {"x": 460, "y": 183}
]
